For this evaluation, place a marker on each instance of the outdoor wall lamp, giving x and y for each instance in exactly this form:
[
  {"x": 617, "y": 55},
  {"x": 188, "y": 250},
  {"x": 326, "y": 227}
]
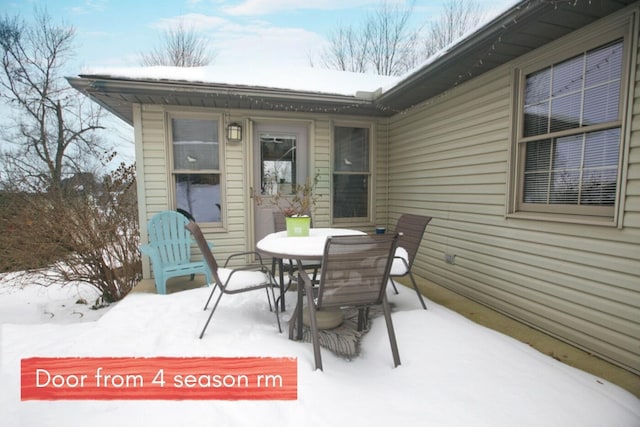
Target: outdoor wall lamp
[{"x": 234, "y": 132}]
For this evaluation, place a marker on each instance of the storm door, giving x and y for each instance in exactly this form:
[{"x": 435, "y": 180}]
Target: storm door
[{"x": 280, "y": 163}]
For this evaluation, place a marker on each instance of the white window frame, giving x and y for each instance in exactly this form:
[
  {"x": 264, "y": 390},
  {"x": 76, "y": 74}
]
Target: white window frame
[
  {"x": 172, "y": 171},
  {"x": 370, "y": 173}
]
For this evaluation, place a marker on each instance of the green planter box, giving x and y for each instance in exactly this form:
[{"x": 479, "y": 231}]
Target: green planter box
[{"x": 298, "y": 226}]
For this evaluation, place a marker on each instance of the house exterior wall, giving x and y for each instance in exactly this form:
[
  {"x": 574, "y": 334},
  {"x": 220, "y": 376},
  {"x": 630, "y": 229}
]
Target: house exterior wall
[
  {"x": 154, "y": 183},
  {"x": 449, "y": 158}
]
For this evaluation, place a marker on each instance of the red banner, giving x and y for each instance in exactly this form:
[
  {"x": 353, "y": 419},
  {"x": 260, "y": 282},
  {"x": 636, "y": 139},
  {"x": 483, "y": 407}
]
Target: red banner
[{"x": 159, "y": 378}]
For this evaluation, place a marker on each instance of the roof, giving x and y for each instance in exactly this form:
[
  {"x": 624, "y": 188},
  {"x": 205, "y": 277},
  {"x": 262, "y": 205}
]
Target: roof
[
  {"x": 309, "y": 89},
  {"x": 523, "y": 28}
]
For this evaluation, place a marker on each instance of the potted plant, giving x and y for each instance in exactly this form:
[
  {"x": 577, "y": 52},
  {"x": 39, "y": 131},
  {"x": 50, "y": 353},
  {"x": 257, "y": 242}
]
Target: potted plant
[{"x": 296, "y": 206}]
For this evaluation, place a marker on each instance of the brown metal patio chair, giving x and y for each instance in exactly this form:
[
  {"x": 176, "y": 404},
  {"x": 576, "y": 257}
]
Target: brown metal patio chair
[
  {"x": 411, "y": 229},
  {"x": 234, "y": 280},
  {"x": 355, "y": 272}
]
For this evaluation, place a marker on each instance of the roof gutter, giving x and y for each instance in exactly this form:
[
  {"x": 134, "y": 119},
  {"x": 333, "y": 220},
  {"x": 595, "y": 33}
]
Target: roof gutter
[{"x": 110, "y": 84}]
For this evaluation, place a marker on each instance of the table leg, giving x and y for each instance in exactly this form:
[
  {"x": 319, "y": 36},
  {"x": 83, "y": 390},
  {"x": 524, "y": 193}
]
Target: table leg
[
  {"x": 282, "y": 289},
  {"x": 299, "y": 303}
]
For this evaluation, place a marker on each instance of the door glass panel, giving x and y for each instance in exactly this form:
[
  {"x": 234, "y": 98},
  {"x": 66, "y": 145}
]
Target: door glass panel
[{"x": 278, "y": 163}]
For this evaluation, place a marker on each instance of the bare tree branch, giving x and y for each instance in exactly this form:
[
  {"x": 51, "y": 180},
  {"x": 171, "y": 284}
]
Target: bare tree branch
[
  {"x": 458, "y": 17},
  {"x": 392, "y": 40},
  {"x": 48, "y": 128},
  {"x": 384, "y": 43},
  {"x": 347, "y": 51},
  {"x": 181, "y": 46},
  {"x": 387, "y": 44}
]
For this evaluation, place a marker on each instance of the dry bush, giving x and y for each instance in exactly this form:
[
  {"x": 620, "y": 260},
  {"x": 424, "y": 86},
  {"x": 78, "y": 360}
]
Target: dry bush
[
  {"x": 26, "y": 245},
  {"x": 75, "y": 235}
]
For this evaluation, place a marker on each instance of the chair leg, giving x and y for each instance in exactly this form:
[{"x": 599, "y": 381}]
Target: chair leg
[
  {"x": 314, "y": 330},
  {"x": 282, "y": 287},
  {"x": 273, "y": 294},
  {"x": 394, "y": 286},
  {"x": 415, "y": 286},
  {"x": 293, "y": 322},
  {"x": 272, "y": 284},
  {"x": 392, "y": 335},
  {"x": 210, "y": 296},
  {"x": 211, "y": 315},
  {"x": 161, "y": 285}
]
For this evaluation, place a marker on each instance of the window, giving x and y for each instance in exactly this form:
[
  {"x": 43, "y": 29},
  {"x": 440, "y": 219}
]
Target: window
[
  {"x": 570, "y": 137},
  {"x": 351, "y": 174},
  {"x": 278, "y": 153},
  {"x": 196, "y": 167}
]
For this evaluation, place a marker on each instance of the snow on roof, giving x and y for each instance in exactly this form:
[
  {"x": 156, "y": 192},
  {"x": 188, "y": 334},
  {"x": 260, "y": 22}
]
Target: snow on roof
[{"x": 288, "y": 78}]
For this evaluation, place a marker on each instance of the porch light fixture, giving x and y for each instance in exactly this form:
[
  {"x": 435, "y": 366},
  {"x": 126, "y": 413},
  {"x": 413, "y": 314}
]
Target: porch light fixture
[{"x": 234, "y": 132}]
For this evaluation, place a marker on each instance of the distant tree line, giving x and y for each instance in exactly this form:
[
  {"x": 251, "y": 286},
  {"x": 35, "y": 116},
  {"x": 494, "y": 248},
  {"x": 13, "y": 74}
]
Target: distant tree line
[{"x": 386, "y": 42}]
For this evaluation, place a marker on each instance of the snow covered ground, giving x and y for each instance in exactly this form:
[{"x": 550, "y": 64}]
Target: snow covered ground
[{"x": 453, "y": 373}]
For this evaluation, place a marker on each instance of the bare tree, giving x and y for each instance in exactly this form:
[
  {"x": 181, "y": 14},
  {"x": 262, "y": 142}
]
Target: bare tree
[
  {"x": 457, "y": 19},
  {"x": 51, "y": 215},
  {"x": 384, "y": 43},
  {"x": 52, "y": 130},
  {"x": 347, "y": 51},
  {"x": 181, "y": 46},
  {"x": 391, "y": 40}
]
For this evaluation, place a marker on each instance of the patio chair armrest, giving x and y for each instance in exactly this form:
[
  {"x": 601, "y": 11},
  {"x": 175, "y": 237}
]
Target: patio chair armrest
[
  {"x": 193, "y": 242},
  {"x": 238, "y": 254},
  {"x": 257, "y": 268},
  {"x": 151, "y": 251}
]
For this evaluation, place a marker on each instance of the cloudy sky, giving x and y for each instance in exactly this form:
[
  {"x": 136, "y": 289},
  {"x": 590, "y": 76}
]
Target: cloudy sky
[
  {"x": 247, "y": 34},
  {"x": 251, "y": 32}
]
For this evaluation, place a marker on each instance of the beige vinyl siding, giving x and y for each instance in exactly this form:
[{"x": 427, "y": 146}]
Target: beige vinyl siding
[
  {"x": 381, "y": 169},
  {"x": 320, "y": 162},
  {"x": 632, "y": 202},
  {"x": 155, "y": 159},
  {"x": 449, "y": 160},
  {"x": 152, "y": 191},
  {"x": 237, "y": 233}
]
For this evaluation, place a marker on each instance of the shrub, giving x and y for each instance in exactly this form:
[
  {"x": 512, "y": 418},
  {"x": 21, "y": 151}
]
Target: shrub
[{"x": 76, "y": 235}]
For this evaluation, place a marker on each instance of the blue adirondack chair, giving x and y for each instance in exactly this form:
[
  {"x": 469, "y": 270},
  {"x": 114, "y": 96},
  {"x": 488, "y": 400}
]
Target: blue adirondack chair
[{"x": 169, "y": 249}]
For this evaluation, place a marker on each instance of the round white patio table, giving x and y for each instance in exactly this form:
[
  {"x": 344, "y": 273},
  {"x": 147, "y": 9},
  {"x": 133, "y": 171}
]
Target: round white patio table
[{"x": 300, "y": 248}]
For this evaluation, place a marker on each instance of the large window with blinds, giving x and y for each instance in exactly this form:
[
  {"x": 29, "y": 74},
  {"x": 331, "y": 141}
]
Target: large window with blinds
[
  {"x": 196, "y": 167},
  {"x": 570, "y": 135}
]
